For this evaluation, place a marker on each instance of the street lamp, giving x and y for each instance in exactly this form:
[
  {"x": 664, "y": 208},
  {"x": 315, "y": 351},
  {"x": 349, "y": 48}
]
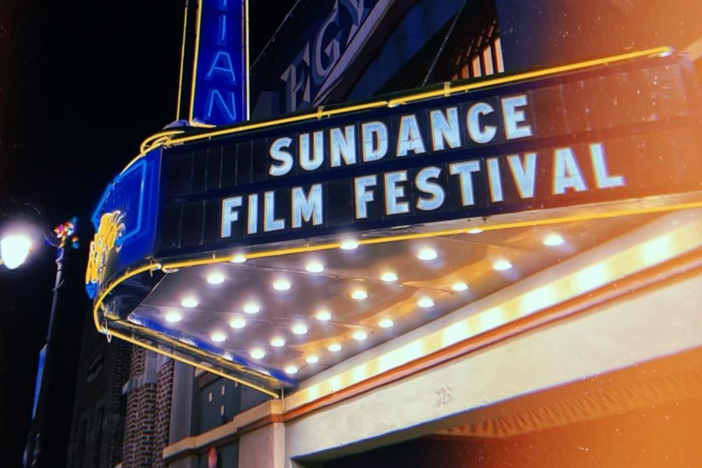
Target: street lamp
[
  {"x": 15, "y": 247},
  {"x": 14, "y": 250}
]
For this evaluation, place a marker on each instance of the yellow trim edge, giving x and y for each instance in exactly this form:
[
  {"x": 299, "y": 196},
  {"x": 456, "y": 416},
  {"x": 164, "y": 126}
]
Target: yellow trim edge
[{"x": 447, "y": 90}]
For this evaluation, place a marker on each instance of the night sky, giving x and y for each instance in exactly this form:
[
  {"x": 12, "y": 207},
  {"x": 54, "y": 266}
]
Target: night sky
[{"x": 81, "y": 85}]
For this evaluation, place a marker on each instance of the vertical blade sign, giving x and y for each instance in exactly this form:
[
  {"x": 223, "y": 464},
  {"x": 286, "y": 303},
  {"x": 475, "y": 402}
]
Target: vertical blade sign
[{"x": 220, "y": 76}]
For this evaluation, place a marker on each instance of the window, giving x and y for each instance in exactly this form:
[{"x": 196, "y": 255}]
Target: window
[{"x": 481, "y": 56}]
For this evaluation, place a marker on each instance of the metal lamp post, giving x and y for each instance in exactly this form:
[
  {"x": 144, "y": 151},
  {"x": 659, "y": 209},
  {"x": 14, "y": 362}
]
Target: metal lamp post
[{"x": 14, "y": 250}]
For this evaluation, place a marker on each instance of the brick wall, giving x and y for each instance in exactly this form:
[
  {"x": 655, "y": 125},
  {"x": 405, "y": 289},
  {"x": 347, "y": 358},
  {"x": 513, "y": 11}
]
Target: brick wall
[
  {"x": 164, "y": 394},
  {"x": 147, "y": 423},
  {"x": 98, "y": 411}
]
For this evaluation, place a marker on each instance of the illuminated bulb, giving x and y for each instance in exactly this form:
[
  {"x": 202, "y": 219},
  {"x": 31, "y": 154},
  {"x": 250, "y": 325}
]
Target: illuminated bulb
[
  {"x": 189, "y": 302},
  {"x": 389, "y": 277},
  {"x": 323, "y": 316},
  {"x": 553, "y": 240},
  {"x": 14, "y": 250},
  {"x": 237, "y": 323},
  {"x": 359, "y": 294},
  {"x": 425, "y": 302},
  {"x": 311, "y": 359},
  {"x": 215, "y": 278},
  {"x": 386, "y": 323},
  {"x": 277, "y": 342},
  {"x": 291, "y": 370},
  {"x": 349, "y": 244},
  {"x": 173, "y": 317},
  {"x": 475, "y": 231},
  {"x": 257, "y": 353},
  {"x": 218, "y": 337},
  {"x": 427, "y": 254},
  {"x": 281, "y": 285},
  {"x": 460, "y": 286},
  {"x": 299, "y": 329},
  {"x": 334, "y": 348},
  {"x": 360, "y": 335},
  {"x": 252, "y": 308},
  {"x": 238, "y": 259},
  {"x": 314, "y": 267},
  {"x": 501, "y": 265}
]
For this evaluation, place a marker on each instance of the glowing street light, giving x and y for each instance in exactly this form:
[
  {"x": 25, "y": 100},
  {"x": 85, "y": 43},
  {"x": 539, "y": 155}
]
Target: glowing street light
[{"x": 14, "y": 250}]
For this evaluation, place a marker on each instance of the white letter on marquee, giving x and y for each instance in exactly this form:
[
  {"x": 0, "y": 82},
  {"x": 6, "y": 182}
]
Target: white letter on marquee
[
  {"x": 362, "y": 196},
  {"x": 269, "y": 221},
  {"x": 525, "y": 179},
  {"x": 409, "y": 138},
  {"x": 253, "y": 214},
  {"x": 513, "y": 117},
  {"x": 229, "y": 215},
  {"x": 372, "y": 132},
  {"x": 465, "y": 171},
  {"x": 307, "y": 207},
  {"x": 445, "y": 129},
  {"x": 599, "y": 164},
  {"x": 438, "y": 195},
  {"x": 393, "y": 192},
  {"x": 476, "y": 133},
  {"x": 311, "y": 163},
  {"x": 566, "y": 173},
  {"x": 343, "y": 145},
  {"x": 284, "y": 157},
  {"x": 495, "y": 180}
]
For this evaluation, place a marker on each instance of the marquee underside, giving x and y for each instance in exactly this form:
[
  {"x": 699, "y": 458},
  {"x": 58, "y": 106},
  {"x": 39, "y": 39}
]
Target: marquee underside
[{"x": 243, "y": 313}]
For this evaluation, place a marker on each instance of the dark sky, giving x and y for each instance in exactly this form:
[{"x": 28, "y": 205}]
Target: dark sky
[{"x": 81, "y": 85}]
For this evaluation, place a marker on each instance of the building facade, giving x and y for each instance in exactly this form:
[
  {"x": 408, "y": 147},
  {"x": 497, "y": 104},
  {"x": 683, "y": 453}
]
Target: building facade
[{"x": 581, "y": 350}]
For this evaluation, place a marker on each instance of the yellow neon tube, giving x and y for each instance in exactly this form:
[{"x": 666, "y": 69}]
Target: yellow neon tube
[
  {"x": 446, "y": 91},
  {"x": 197, "y": 52},
  {"x": 175, "y": 357},
  {"x": 182, "y": 61}
]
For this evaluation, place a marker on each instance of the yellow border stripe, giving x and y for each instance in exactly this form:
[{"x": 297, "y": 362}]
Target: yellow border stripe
[
  {"x": 197, "y": 52},
  {"x": 182, "y": 61},
  {"x": 175, "y": 357},
  {"x": 446, "y": 91}
]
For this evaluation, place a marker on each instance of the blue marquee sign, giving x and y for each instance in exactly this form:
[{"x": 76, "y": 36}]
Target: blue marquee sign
[{"x": 220, "y": 76}]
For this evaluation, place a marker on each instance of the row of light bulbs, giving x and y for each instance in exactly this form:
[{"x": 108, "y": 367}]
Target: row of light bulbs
[{"x": 425, "y": 254}]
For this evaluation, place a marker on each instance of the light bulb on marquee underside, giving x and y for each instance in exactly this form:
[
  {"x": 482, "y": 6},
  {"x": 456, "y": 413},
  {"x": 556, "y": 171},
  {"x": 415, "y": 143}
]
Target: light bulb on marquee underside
[
  {"x": 314, "y": 267},
  {"x": 427, "y": 254},
  {"x": 237, "y": 323},
  {"x": 389, "y": 277},
  {"x": 173, "y": 317},
  {"x": 386, "y": 323},
  {"x": 349, "y": 244},
  {"x": 277, "y": 342},
  {"x": 323, "y": 316},
  {"x": 218, "y": 337},
  {"x": 359, "y": 294},
  {"x": 215, "y": 278}
]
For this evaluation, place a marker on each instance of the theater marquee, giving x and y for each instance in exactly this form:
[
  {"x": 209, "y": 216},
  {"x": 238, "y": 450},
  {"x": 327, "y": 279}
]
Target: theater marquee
[{"x": 582, "y": 142}]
